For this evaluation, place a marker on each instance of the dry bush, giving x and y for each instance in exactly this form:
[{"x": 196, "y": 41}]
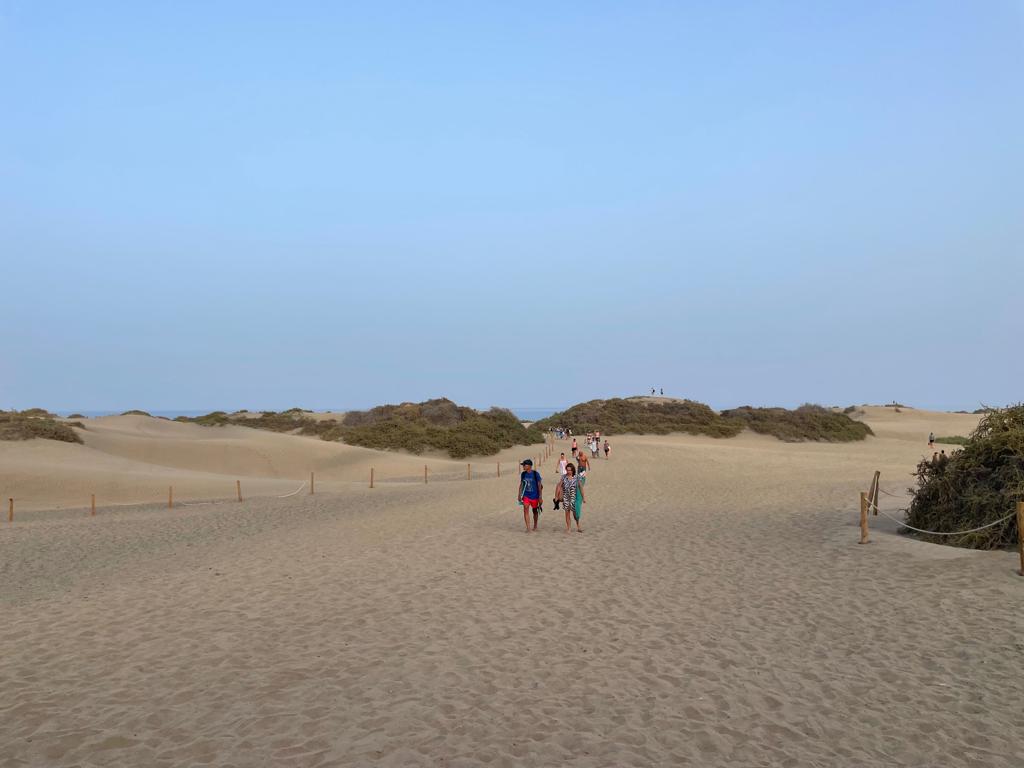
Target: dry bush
[{"x": 976, "y": 485}]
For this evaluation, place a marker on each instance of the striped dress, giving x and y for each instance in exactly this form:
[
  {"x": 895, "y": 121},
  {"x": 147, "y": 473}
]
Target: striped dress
[{"x": 569, "y": 495}]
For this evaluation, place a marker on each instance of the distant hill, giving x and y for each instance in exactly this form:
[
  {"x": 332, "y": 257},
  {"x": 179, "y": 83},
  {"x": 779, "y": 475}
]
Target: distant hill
[
  {"x": 808, "y": 422},
  {"x": 642, "y": 416},
  {"x": 437, "y": 424},
  {"x": 659, "y": 416}
]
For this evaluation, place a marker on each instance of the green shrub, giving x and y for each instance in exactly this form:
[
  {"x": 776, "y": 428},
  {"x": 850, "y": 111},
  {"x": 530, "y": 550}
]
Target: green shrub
[
  {"x": 953, "y": 440},
  {"x": 976, "y": 485},
  {"x": 435, "y": 425},
  {"x": 808, "y": 422},
  {"x": 639, "y": 416},
  {"x": 28, "y": 425},
  {"x": 213, "y": 419},
  {"x": 37, "y": 412},
  {"x": 136, "y": 413},
  {"x": 76, "y": 416}
]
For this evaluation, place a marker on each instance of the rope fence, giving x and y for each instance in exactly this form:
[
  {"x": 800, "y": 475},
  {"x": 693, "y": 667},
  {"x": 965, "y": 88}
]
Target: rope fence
[
  {"x": 869, "y": 503},
  {"x": 470, "y": 474}
]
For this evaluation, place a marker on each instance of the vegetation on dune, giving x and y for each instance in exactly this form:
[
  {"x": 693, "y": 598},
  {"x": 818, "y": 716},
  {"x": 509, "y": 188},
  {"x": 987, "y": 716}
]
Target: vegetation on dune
[
  {"x": 639, "y": 416},
  {"x": 286, "y": 421},
  {"x": 436, "y": 425},
  {"x": 642, "y": 417},
  {"x": 416, "y": 427},
  {"x": 26, "y": 425},
  {"x": 37, "y": 412},
  {"x": 76, "y": 416},
  {"x": 136, "y": 412},
  {"x": 953, "y": 440},
  {"x": 978, "y": 484},
  {"x": 808, "y": 422}
]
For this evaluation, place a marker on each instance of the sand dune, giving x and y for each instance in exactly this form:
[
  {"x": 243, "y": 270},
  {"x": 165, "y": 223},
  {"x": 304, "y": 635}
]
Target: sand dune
[
  {"x": 716, "y": 612},
  {"x": 133, "y": 459}
]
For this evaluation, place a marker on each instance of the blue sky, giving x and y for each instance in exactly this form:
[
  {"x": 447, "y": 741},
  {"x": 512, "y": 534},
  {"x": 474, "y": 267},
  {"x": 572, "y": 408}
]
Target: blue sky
[{"x": 338, "y": 205}]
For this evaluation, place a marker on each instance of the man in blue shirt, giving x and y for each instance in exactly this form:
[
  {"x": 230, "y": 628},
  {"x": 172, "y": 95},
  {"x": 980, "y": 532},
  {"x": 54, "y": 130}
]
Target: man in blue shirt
[{"x": 530, "y": 489}]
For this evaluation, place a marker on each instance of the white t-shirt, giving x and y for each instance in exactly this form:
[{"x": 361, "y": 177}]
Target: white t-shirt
[{"x": 561, "y": 466}]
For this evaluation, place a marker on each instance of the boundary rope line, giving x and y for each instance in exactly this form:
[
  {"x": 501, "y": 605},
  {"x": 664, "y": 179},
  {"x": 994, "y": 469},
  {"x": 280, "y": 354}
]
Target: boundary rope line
[{"x": 872, "y": 505}]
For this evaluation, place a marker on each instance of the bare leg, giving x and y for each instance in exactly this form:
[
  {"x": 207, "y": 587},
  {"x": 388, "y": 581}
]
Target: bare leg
[
  {"x": 526, "y": 517},
  {"x": 536, "y": 515},
  {"x": 568, "y": 525}
]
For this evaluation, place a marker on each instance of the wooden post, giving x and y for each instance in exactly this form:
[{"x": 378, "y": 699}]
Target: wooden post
[
  {"x": 10, "y": 510},
  {"x": 469, "y": 473},
  {"x": 863, "y": 518},
  {"x": 1020, "y": 533},
  {"x": 424, "y": 474},
  {"x": 371, "y": 477},
  {"x": 312, "y": 488},
  {"x": 93, "y": 503},
  {"x": 170, "y": 497},
  {"x": 499, "y": 469},
  {"x": 238, "y": 487},
  {"x": 873, "y": 491}
]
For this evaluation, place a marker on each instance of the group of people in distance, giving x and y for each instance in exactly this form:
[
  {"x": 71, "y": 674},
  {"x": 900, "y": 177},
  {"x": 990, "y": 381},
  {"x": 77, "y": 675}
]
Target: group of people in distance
[{"x": 569, "y": 492}]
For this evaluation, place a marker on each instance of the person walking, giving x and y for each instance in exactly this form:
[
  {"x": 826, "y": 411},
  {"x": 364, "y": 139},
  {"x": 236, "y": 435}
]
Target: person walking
[
  {"x": 584, "y": 464},
  {"x": 931, "y": 439},
  {"x": 530, "y": 489},
  {"x": 607, "y": 449},
  {"x": 561, "y": 464},
  {"x": 574, "y": 447},
  {"x": 570, "y": 495}
]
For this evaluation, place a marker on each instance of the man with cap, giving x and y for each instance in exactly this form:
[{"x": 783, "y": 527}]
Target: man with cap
[{"x": 531, "y": 488}]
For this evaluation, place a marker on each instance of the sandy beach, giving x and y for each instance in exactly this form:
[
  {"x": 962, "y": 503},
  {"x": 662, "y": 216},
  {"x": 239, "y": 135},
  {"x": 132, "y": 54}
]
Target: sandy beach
[{"x": 716, "y": 611}]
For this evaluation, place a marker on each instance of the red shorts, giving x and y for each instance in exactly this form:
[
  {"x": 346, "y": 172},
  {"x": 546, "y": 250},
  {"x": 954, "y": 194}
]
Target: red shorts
[{"x": 530, "y": 502}]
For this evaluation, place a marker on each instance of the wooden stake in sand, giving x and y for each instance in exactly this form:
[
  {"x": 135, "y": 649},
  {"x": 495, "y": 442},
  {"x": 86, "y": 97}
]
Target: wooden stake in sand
[
  {"x": 312, "y": 489},
  {"x": 170, "y": 497},
  {"x": 469, "y": 473},
  {"x": 1020, "y": 533},
  {"x": 238, "y": 488},
  {"x": 499, "y": 469},
  {"x": 873, "y": 491},
  {"x": 93, "y": 503},
  {"x": 10, "y": 510},
  {"x": 371, "y": 477},
  {"x": 863, "y": 518},
  {"x": 424, "y": 474}
]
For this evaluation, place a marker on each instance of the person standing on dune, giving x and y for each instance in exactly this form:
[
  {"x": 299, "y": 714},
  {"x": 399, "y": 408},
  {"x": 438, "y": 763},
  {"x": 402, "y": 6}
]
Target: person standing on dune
[{"x": 574, "y": 448}]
